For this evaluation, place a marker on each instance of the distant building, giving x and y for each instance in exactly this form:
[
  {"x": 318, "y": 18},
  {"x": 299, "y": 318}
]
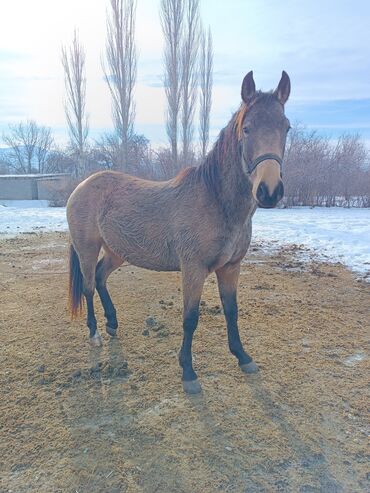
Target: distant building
[{"x": 30, "y": 187}]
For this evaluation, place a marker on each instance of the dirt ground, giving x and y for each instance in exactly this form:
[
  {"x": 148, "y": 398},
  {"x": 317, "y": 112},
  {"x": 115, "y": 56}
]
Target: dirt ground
[{"x": 80, "y": 420}]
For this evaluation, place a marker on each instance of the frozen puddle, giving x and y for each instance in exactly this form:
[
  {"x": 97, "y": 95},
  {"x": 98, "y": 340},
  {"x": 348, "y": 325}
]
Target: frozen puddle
[
  {"x": 47, "y": 262},
  {"x": 354, "y": 359}
]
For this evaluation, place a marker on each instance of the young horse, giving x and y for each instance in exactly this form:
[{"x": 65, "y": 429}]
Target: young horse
[{"x": 199, "y": 222}]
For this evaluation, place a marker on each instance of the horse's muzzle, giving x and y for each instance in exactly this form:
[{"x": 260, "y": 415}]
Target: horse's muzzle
[{"x": 264, "y": 198}]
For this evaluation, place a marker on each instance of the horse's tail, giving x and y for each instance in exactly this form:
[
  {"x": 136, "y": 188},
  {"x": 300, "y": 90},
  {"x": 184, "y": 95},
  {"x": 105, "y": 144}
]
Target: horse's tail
[{"x": 75, "y": 284}]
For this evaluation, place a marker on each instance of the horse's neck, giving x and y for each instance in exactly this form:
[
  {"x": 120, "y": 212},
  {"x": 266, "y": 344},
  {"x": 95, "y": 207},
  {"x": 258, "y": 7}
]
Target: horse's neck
[
  {"x": 235, "y": 190},
  {"x": 224, "y": 177}
]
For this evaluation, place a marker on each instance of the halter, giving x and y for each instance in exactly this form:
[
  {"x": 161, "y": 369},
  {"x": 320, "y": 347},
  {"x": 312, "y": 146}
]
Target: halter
[{"x": 264, "y": 157}]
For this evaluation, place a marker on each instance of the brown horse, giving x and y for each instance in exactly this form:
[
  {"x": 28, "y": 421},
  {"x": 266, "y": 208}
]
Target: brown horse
[{"x": 199, "y": 222}]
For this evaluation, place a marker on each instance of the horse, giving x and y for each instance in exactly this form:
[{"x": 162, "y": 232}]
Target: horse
[{"x": 198, "y": 223}]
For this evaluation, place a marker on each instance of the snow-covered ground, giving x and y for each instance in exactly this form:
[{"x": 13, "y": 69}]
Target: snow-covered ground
[
  {"x": 338, "y": 234},
  {"x": 25, "y": 216}
]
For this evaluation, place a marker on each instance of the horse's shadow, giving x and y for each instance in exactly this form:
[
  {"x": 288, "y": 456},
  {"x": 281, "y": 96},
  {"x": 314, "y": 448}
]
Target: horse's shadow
[
  {"x": 313, "y": 463},
  {"x": 110, "y": 416},
  {"x": 93, "y": 402}
]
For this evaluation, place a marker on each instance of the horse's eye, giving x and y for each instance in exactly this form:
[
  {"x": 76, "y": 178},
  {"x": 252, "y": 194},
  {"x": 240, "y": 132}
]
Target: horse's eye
[{"x": 245, "y": 130}]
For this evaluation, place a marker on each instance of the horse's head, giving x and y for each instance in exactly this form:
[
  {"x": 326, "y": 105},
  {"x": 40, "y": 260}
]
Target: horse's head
[{"x": 263, "y": 129}]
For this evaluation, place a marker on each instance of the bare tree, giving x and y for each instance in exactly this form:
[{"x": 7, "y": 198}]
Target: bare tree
[
  {"x": 206, "y": 82},
  {"x": 189, "y": 80},
  {"x": 163, "y": 164},
  {"x": 320, "y": 172},
  {"x": 172, "y": 16},
  {"x": 120, "y": 74},
  {"x": 108, "y": 152},
  {"x": 29, "y": 145},
  {"x": 348, "y": 156},
  {"x": 305, "y": 167},
  {"x": 4, "y": 166},
  {"x": 73, "y": 61}
]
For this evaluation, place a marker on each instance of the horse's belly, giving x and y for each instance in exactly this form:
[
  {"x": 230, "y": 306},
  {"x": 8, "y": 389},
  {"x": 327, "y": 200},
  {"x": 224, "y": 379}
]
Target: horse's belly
[
  {"x": 153, "y": 263},
  {"x": 156, "y": 254}
]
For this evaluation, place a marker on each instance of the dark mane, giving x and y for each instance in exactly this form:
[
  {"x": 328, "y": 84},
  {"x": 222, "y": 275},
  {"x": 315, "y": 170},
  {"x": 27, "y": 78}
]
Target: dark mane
[
  {"x": 225, "y": 149},
  {"x": 209, "y": 172}
]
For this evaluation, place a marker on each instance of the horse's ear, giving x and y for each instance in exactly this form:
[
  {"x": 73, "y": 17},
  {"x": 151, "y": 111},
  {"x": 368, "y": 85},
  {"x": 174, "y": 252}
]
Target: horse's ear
[
  {"x": 248, "y": 87},
  {"x": 283, "y": 89}
]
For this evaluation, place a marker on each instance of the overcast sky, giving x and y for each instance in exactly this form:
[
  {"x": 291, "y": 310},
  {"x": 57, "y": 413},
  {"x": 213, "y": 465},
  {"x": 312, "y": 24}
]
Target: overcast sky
[{"x": 322, "y": 44}]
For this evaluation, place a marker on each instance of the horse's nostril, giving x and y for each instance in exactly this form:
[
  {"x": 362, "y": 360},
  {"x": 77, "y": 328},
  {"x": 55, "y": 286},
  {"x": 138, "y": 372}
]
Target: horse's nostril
[
  {"x": 262, "y": 192},
  {"x": 265, "y": 199},
  {"x": 280, "y": 191}
]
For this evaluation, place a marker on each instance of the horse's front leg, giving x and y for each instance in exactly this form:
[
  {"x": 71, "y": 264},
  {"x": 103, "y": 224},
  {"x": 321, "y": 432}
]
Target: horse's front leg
[
  {"x": 192, "y": 282},
  {"x": 227, "y": 277}
]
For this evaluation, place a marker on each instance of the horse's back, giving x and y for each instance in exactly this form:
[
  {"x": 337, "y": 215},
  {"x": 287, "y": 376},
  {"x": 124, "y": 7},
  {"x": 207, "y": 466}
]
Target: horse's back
[
  {"x": 108, "y": 189},
  {"x": 131, "y": 217}
]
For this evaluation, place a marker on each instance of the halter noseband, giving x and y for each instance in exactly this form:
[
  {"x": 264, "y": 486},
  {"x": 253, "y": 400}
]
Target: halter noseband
[{"x": 264, "y": 157}]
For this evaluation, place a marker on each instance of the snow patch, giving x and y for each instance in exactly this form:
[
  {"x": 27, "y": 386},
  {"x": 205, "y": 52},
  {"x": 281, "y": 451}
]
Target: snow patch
[
  {"x": 331, "y": 234},
  {"x": 24, "y": 204},
  {"x": 26, "y": 216}
]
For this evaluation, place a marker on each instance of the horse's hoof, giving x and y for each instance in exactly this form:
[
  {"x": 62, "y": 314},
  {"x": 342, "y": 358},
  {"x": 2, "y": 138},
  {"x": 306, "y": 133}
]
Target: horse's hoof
[
  {"x": 249, "y": 367},
  {"x": 110, "y": 331},
  {"x": 191, "y": 386},
  {"x": 96, "y": 340}
]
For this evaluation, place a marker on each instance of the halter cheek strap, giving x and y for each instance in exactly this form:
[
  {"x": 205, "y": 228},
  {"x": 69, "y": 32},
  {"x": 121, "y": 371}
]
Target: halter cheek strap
[{"x": 264, "y": 157}]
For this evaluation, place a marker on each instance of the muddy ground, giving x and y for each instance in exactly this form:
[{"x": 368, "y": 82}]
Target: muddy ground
[{"x": 76, "y": 419}]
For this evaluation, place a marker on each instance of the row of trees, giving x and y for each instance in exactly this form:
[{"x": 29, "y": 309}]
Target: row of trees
[
  {"x": 317, "y": 171},
  {"x": 321, "y": 172},
  {"x": 32, "y": 149},
  {"x": 188, "y": 61},
  {"x": 187, "y": 71},
  {"x": 188, "y": 66},
  {"x": 29, "y": 146}
]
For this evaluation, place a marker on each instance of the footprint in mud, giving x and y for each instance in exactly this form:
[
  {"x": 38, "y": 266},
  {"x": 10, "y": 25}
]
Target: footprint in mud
[
  {"x": 210, "y": 310},
  {"x": 102, "y": 370},
  {"x": 160, "y": 329}
]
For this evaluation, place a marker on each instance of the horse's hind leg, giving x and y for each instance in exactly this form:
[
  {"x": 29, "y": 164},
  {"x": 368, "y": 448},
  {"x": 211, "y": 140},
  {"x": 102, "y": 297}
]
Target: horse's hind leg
[
  {"x": 227, "y": 278},
  {"x": 88, "y": 259},
  {"x": 106, "y": 265}
]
